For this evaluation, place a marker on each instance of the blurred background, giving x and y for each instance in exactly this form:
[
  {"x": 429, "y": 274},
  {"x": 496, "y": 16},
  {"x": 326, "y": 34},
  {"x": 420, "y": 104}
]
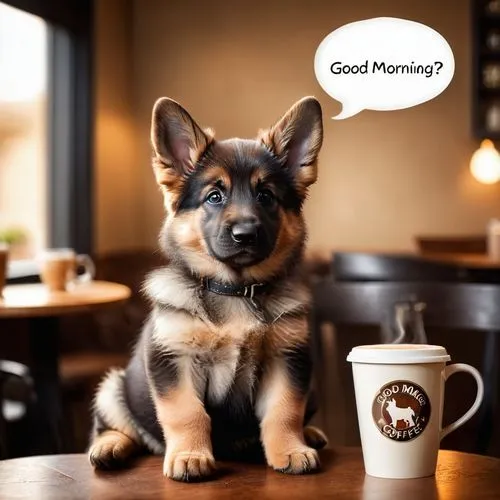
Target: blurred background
[
  {"x": 77, "y": 85},
  {"x": 385, "y": 177}
]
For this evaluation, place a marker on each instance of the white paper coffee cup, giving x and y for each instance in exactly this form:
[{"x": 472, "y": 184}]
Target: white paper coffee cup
[{"x": 399, "y": 397}]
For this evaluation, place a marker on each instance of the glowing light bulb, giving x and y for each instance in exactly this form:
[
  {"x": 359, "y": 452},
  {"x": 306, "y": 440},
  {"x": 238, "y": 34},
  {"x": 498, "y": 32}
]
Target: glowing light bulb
[{"x": 485, "y": 163}]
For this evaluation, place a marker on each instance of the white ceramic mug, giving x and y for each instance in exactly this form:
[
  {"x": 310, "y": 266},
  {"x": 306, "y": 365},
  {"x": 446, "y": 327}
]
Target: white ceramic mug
[
  {"x": 58, "y": 269},
  {"x": 400, "y": 397}
]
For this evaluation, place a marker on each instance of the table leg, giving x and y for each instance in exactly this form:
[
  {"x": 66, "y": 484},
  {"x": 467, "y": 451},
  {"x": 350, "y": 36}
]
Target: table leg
[{"x": 44, "y": 347}]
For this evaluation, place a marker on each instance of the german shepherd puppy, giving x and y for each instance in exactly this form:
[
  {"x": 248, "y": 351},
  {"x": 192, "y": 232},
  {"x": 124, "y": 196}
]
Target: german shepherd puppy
[{"x": 222, "y": 366}]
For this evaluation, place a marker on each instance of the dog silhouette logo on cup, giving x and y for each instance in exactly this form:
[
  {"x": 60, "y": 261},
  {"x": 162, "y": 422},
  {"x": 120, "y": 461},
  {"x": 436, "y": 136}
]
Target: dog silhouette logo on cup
[{"x": 401, "y": 410}]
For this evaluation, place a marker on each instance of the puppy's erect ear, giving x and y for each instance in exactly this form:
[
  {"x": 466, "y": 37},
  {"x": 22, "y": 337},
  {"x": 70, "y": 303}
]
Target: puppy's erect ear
[
  {"x": 296, "y": 140},
  {"x": 177, "y": 140}
]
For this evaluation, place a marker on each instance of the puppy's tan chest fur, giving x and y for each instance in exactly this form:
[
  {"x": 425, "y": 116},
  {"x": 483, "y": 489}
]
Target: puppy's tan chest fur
[
  {"x": 219, "y": 355},
  {"x": 225, "y": 349}
]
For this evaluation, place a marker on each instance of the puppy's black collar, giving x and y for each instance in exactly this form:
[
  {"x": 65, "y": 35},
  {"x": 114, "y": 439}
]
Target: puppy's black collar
[
  {"x": 249, "y": 292},
  {"x": 234, "y": 290}
]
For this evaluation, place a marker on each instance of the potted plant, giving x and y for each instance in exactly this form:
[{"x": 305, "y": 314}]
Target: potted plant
[{"x": 16, "y": 239}]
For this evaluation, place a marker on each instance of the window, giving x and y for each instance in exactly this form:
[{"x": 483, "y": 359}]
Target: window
[
  {"x": 23, "y": 131},
  {"x": 45, "y": 125}
]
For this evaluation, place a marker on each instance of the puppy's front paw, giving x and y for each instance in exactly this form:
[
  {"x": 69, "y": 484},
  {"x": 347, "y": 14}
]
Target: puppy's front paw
[
  {"x": 298, "y": 461},
  {"x": 188, "y": 466}
]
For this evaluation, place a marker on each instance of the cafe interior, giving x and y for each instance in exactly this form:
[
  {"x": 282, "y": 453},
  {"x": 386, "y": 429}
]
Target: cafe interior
[{"x": 403, "y": 238}]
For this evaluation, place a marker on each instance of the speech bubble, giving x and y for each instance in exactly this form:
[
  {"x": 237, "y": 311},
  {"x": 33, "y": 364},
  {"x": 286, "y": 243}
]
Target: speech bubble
[{"x": 383, "y": 64}]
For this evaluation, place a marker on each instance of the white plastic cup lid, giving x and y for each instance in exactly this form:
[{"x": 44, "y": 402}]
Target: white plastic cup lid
[{"x": 398, "y": 354}]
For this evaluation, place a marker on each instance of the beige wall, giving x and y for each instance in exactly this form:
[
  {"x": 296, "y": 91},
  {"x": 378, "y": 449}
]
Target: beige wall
[
  {"x": 117, "y": 197},
  {"x": 237, "y": 66}
]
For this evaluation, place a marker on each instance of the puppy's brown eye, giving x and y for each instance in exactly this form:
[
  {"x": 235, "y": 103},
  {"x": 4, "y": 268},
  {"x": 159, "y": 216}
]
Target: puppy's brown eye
[
  {"x": 265, "y": 197},
  {"x": 214, "y": 197}
]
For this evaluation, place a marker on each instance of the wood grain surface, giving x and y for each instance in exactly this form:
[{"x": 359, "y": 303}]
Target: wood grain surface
[
  {"x": 471, "y": 260},
  {"x": 459, "y": 476}
]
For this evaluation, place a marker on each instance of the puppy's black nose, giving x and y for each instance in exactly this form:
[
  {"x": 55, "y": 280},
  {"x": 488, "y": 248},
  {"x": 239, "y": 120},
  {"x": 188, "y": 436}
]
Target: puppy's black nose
[{"x": 245, "y": 233}]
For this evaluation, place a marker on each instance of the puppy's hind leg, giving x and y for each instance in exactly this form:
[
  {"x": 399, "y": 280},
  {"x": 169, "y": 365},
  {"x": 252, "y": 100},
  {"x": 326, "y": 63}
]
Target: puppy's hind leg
[
  {"x": 315, "y": 438},
  {"x": 111, "y": 449},
  {"x": 115, "y": 437}
]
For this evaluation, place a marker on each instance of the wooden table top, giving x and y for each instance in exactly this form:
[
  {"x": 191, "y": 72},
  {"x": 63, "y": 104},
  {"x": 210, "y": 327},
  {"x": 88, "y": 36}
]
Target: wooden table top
[
  {"x": 473, "y": 260},
  {"x": 459, "y": 476},
  {"x": 22, "y": 301}
]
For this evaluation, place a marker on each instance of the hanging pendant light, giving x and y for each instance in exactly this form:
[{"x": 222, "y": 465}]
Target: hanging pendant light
[{"x": 485, "y": 163}]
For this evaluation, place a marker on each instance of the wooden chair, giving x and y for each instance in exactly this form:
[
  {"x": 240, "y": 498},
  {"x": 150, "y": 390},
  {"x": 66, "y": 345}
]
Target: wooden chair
[
  {"x": 474, "y": 244},
  {"x": 16, "y": 402},
  {"x": 450, "y": 306}
]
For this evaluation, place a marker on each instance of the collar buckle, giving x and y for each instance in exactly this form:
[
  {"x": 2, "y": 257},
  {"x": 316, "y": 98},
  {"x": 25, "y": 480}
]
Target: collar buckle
[{"x": 249, "y": 290}]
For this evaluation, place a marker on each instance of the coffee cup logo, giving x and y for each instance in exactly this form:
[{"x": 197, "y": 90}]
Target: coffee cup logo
[{"x": 401, "y": 410}]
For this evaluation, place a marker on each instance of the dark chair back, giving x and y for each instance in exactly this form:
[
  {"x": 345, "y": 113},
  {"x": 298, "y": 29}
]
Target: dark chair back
[
  {"x": 355, "y": 266},
  {"x": 466, "y": 306}
]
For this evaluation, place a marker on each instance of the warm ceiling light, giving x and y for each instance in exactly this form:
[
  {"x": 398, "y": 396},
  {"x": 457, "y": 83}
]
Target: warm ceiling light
[{"x": 485, "y": 163}]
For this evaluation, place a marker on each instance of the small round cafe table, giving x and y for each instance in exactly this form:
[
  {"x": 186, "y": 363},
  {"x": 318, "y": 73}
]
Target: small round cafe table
[
  {"x": 43, "y": 309},
  {"x": 459, "y": 476}
]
